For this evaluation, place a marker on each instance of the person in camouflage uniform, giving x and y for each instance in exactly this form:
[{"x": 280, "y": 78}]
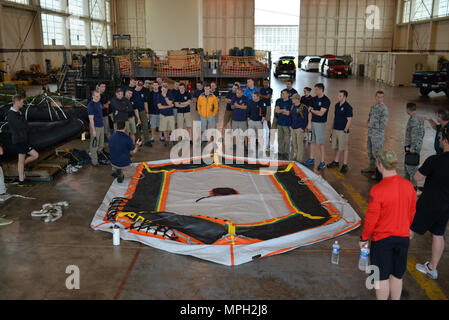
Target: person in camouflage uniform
[
  {"x": 377, "y": 121},
  {"x": 414, "y": 136}
]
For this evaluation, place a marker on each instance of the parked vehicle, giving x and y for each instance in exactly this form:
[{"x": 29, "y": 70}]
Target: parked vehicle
[
  {"x": 310, "y": 63},
  {"x": 326, "y": 56},
  {"x": 428, "y": 81},
  {"x": 285, "y": 65},
  {"x": 334, "y": 67}
]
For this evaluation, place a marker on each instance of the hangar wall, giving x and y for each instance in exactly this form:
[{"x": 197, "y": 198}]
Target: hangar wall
[
  {"x": 339, "y": 26},
  {"x": 159, "y": 25},
  {"x": 228, "y": 24},
  {"x": 427, "y": 35}
]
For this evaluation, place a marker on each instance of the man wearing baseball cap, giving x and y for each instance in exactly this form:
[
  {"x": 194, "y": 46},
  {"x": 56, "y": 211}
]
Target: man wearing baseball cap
[{"x": 391, "y": 208}]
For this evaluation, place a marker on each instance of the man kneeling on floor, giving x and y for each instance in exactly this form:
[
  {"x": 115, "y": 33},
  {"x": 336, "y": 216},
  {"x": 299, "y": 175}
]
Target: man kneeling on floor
[{"x": 120, "y": 145}]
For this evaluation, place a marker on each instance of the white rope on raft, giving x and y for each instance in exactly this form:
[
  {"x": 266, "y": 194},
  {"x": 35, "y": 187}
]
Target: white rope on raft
[
  {"x": 28, "y": 108},
  {"x": 343, "y": 203},
  {"x": 57, "y": 106}
]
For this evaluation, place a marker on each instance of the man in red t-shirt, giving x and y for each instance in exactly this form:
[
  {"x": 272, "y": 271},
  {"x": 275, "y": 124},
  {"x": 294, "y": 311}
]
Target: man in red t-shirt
[{"x": 391, "y": 208}]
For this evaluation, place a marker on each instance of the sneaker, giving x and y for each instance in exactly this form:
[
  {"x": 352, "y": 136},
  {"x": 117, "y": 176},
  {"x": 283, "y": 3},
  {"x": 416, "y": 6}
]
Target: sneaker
[
  {"x": 310, "y": 162},
  {"x": 166, "y": 144},
  {"x": 344, "y": 168},
  {"x": 424, "y": 268},
  {"x": 5, "y": 222},
  {"x": 24, "y": 184},
  {"x": 120, "y": 177},
  {"x": 162, "y": 138},
  {"x": 369, "y": 170},
  {"x": 333, "y": 164},
  {"x": 152, "y": 140},
  {"x": 148, "y": 144},
  {"x": 322, "y": 165}
]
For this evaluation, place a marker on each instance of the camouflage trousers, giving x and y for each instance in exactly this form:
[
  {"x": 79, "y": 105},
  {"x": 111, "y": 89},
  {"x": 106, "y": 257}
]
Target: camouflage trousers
[
  {"x": 374, "y": 144},
  {"x": 410, "y": 173}
]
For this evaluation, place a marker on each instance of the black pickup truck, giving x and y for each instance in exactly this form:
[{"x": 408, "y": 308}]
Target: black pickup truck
[{"x": 428, "y": 81}]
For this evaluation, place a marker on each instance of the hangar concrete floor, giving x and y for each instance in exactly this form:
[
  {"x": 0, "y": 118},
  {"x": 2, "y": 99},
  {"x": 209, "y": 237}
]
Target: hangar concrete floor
[{"x": 34, "y": 255}]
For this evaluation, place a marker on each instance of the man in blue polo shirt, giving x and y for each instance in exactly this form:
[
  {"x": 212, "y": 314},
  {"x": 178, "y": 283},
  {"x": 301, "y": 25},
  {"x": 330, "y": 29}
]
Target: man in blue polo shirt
[
  {"x": 319, "y": 108},
  {"x": 173, "y": 93},
  {"x": 228, "y": 112},
  {"x": 132, "y": 85},
  {"x": 257, "y": 111},
  {"x": 300, "y": 120},
  {"x": 214, "y": 90},
  {"x": 133, "y": 114},
  {"x": 95, "y": 113},
  {"x": 166, "y": 117},
  {"x": 266, "y": 93},
  {"x": 182, "y": 103},
  {"x": 154, "y": 112},
  {"x": 196, "y": 94},
  {"x": 340, "y": 133},
  {"x": 120, "y": 145},
  {"x": 140, "y": 101},
  {"x": 290, "y": 90},
  {"x": 282, "y": 109},
  {"x": 239, "y": 105},
  {"x": 250, "y": 89}
]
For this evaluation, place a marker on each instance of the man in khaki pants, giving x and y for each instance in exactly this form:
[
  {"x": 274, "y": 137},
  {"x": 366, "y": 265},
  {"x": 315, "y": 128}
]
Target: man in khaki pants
[
  {"x": 282, "y": 109},
  {"x": 340, "y": 132},
  {"x": 300, "y": 119},
  {"x": 95, "y": 113}
]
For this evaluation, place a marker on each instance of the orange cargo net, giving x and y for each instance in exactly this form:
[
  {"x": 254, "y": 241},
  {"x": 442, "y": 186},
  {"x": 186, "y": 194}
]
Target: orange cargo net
[
  {"x": 179, "y": 66},
  {"x": 125, "y": 65},
  {"x": 243, "y": 66}
]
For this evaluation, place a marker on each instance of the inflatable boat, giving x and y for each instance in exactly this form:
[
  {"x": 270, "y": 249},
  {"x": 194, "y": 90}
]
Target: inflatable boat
[{"x": 51, "y": 120}]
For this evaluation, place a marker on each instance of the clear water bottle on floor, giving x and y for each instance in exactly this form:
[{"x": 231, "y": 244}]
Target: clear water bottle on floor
[
  {"x": 364, "y": 256},
  {"x": 335, "y": 253}
]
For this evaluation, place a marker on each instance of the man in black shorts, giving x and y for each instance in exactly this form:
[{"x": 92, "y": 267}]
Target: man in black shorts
[
  {"x": 391, "y": 208},
  {"x": 19, "y": 136},
  {"x": 432, "y": 209}
]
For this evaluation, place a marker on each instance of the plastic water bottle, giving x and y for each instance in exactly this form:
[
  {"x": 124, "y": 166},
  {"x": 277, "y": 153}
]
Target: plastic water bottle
[
  {"x": 335, "y": 253},
  {"x": 116, "y": 235},
  {"x": 364, "y": 255}
]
